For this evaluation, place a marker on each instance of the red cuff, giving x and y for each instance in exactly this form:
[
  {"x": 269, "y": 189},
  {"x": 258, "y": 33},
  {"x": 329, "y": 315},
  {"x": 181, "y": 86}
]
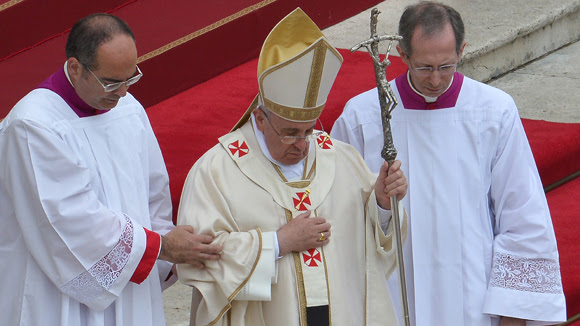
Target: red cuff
[{"x": 149, "y": 257}]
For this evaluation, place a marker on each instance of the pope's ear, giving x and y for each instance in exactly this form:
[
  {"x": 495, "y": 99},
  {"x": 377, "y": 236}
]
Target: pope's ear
[{"x": 260, "y": 118}]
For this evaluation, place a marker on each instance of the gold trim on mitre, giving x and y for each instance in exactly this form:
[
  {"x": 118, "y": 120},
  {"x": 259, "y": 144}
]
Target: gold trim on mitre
[
  {"x": 294, "y": 114},
  {"x": 296, "y": 70}
]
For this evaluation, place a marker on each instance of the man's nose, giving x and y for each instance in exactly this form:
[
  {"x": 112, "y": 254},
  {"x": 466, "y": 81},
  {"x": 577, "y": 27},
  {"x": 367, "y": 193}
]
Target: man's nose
[
  {"x": 435, "y": 77},
  {"x": 121, "y": 91}
]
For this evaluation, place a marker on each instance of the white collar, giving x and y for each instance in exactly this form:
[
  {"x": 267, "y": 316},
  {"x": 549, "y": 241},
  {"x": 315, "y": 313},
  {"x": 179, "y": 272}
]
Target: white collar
[
  {"x": 66, "y": 74},
  {"x": 291, "y": 172},
  {"x": 428, "y": 99}
]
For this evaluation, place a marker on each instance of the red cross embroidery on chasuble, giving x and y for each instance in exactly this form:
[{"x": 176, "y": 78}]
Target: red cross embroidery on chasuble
[
  {"x": 312, "y": 257},
  {"x": 238, "y": 149},
  {"x": 324, "y": 141},
  {"x": 302, "y": 200}
]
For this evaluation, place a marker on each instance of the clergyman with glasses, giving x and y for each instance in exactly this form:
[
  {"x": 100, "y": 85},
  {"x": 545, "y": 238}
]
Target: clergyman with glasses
[
  {"x": 298, "y": 214},
  {"x": 85, "y": 210},
  {"x": 481, "y": 248}
]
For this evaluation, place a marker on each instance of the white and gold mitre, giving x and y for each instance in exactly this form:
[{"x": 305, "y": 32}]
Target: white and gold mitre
[{"x": 296, "y": 69}]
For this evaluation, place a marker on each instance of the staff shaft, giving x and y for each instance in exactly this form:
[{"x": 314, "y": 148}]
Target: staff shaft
[
  {"x": 400, "y": 260},
  {"x": 388, "y": 102}
]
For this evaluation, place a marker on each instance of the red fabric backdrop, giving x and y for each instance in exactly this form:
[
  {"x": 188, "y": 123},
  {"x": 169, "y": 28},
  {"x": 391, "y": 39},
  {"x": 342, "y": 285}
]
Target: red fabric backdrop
[
  {"x": 29, "y": 22},
  {"x": 181, "y": 42}
]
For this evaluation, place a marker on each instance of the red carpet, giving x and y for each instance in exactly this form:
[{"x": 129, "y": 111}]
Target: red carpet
[
  {"x": 556, "y": 148},
  {"x": 564, "y": 204}
]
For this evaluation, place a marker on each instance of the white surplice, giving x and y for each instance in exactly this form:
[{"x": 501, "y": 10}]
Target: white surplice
[
  {"x": 235, "y": 193},
  {"x": 75, "y": 195},
  {"x": 481, "y": 242}
]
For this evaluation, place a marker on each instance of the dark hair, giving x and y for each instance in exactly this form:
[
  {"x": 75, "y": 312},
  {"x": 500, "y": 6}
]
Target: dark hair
[
  {"x": 89, "y": 33},
  {"x": 432, "y": 17}
]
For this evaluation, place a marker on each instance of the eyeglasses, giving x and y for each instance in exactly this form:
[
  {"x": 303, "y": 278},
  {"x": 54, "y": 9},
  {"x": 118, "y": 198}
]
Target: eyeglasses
[
  {"x": 427, "y": 71},
  {"x": 289, "y": 140},
  {"x": 115, "y": 86}
]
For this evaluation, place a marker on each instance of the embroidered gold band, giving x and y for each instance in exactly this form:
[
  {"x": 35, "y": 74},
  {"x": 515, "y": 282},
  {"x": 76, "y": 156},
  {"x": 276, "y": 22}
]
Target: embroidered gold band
[
  {"x": 294, "y": 114},
  {"x": 9, "y": 4},
  {"x": 299, "y": 278},
  {"x": 315, "y": 75},
  {"x": 204, "y": 30},
  {"x": 226, "y": 310}
]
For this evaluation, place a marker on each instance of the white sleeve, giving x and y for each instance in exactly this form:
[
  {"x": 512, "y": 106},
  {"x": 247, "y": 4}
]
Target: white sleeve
[
  {"x": 344, "y": 131},
  {"x": 276, "y": 246},
  {"x": 525, "y": 276},
  {"x": 87, "y": 250},
  {"x": 160, "y": 206},
  {"x": 259, "y": 286},
  {"x": 385, "y": 216}
]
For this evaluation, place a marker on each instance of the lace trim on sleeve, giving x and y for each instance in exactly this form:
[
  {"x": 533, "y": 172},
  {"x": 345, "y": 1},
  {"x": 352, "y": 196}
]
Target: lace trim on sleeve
[
  {"x": 103, "y": 274},
  {"x": 523, "y": 274}
]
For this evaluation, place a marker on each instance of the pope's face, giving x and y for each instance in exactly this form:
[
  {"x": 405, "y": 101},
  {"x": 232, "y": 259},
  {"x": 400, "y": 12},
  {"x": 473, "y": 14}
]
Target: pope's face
[
  {"x": 116, "y": 61},
  {"x": 431, "y": 51},
  {"x": 287, "y": 154}
]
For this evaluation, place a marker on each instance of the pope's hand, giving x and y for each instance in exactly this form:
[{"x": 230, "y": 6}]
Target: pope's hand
[
  {"x": 390, "y": 182},
  {"x": 303, "y": 233}
]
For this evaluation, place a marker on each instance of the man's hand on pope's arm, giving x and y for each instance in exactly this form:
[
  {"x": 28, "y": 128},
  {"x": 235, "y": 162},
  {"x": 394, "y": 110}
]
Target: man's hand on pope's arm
[
  {"x": 303, "y": 233},
  {"x": 182, "y": 245},
  {"x": 390, "y": 182}
]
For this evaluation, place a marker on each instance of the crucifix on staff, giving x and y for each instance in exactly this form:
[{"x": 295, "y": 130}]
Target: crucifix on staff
[{"x": 388, "y": 102}]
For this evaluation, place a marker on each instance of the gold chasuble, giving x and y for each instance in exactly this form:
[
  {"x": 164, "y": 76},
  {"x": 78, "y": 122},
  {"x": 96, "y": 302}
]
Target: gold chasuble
[
  {"x": 295, "y": 198},
  {"x": 236, "y": 194}
]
